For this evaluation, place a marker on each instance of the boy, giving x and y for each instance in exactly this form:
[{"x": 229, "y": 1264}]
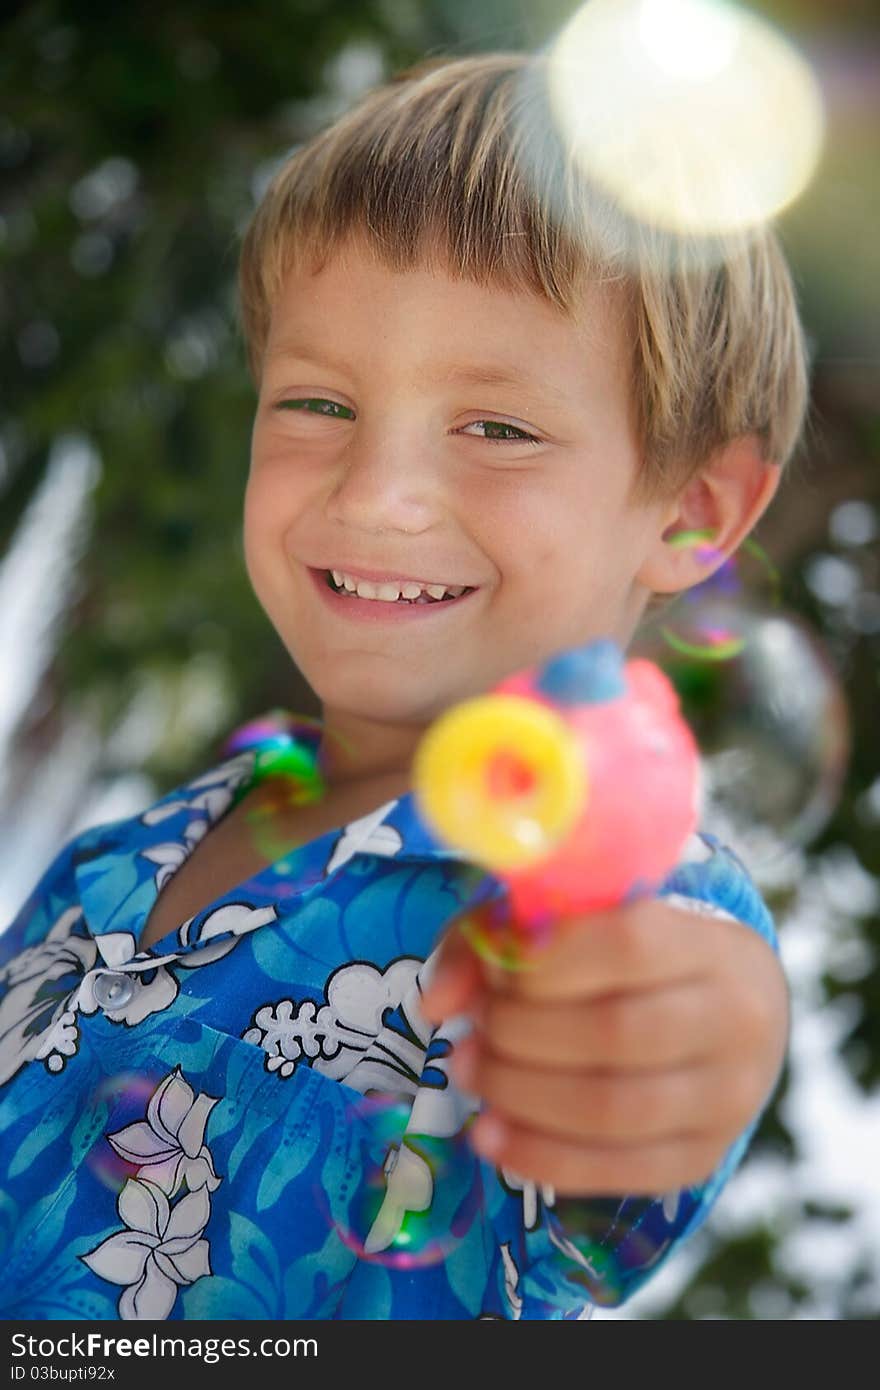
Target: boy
[{"x": 478, "y": 433}]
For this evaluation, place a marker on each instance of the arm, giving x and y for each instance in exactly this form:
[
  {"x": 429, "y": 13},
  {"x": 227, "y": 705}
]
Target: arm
[
  {"x": 636, "y": 1057},
  {"x": 637, "y": 1037}
]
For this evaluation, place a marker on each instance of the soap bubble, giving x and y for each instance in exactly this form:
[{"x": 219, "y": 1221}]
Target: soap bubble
[
  {"x": 771, "y": 721},
  {"x": 124, "y": 1099},
  {"x": 491, "y": 932},
  {"x": 411, "y": 1206},
  {"x": 708, "y": 621}
]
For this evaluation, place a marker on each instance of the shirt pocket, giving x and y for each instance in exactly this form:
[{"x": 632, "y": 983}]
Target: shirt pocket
[
  {"x": 279, "y": 1159},
  {"x": 254, "y": 1193},
  {"x": 314, "y": 1187}
]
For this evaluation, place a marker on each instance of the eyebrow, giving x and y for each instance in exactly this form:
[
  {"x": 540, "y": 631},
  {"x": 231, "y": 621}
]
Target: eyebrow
[{"x": 452, "y": 373}]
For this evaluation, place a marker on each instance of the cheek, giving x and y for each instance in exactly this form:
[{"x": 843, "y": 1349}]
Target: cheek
[
  {"x": 539, "y": 536},
  {"x": 273, "y": 500},
  {"x": 263, "y": 522}
]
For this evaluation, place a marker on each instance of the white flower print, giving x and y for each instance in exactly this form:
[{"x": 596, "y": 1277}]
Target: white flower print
[
  {"x": 60, "y": 1042},
  {"x": 286, "y": 1033},
  {"x": 511, "y": 1281},
  {"x": 215, "y": 789},
  {"x": 339, "y": 1033},
  {"x": 233, "y": 772},
  {"x": 409, "y": 1186},
  {"x": 40, "y": 988},
  {"x": 671, "y": 1202},
  {"x": 530, "y": 1194},
  {"x": 46, "y": 987},
  {"x": 367, "y": 835},
  {"x": 161, "y": 1249},
  {"x": 116, "y": 948},
  {"x": 348, "y": 1038},
  {"x": 169, "y": 857},
  {"x": 218, "y": 788},
  {"x": 238, "y": 919},
  {"x": 439, "y": 1111},
  {"x": 155, "y": 987},
  {"x": 168, "y": 1147}
]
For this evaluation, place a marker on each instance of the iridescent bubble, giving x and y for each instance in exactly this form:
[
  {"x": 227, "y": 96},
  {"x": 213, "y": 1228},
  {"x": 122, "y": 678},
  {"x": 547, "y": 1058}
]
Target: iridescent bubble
[
  {"x": 414, "y": 1201},
  {"x": 707, "y": 621},
  {"x": 772, "y": 725},
  {"x": 275, "y": 729},
  {"x": 288, "y": 774},
  {"x": 124, "y": 1098},
  {"x": 493, "y": 935},
  {"x": 268, "y": 817}
]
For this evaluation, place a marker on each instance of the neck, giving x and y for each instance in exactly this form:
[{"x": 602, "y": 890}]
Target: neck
[{"x": 354, "y": 749}]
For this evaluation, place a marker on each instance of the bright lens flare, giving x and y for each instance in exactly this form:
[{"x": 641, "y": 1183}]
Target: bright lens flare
[
  {"x": 687, "y": 39},
  {"x": 695, "y": 115}
]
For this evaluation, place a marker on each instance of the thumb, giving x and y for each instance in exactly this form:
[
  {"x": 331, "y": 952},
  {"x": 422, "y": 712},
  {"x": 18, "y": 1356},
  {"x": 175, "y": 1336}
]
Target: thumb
[{"x": 456, "y": 980}]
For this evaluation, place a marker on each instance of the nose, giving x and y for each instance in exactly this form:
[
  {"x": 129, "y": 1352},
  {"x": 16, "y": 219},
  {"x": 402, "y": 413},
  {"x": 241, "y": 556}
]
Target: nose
[{"x": 387, "y": 479}]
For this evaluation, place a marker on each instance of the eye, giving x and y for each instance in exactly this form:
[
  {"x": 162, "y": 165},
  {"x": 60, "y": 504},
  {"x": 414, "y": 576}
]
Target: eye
[
  {"x": 518, "y": 436},
  {"x": 316, "y": 405},
  {"x": 319, "y": 405}
]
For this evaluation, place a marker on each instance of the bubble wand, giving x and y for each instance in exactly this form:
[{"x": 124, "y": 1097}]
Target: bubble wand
[{"x": 575, "y": 783}]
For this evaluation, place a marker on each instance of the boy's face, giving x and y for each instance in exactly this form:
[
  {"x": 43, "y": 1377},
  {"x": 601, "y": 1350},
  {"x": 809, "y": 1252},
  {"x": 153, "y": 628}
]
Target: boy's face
[{"x": 386, "y": 467}]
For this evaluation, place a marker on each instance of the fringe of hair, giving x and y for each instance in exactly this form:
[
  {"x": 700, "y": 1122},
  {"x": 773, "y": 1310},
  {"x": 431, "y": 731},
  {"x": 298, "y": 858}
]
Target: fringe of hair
[{"x": 455, "y": 164}]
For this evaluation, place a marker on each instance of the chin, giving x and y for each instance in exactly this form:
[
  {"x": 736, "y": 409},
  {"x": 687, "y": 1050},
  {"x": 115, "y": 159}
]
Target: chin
[{"x": 381, "y": 701}]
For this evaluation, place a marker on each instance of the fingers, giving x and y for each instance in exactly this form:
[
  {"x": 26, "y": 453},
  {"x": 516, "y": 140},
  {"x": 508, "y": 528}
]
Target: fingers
[
  {"x": 576, "y": 1169},
  {"x": 626, "y": 1055},
  {"x": 456, "y": 982},
  {"x": 615, "y": 1107},
  {"x": 587, "y": 957},
  {"x": 634, "y": 947},
  {"x": 653, "y": 1028}
]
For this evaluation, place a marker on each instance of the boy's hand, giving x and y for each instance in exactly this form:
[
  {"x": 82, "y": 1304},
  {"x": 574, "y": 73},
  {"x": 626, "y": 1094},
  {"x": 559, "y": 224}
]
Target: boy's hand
[{"x": 626, "y": 1056}]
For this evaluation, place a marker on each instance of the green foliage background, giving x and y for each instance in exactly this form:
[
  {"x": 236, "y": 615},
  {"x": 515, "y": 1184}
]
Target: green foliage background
[{"x": 133, "y": 140}]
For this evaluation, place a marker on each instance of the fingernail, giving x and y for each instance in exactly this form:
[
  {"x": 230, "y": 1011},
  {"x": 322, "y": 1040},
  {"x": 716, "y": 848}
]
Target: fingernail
[
  {"x": 488, "y": 1135},
  {"x": 464, "y": 1063},
  {"x": 430, "y": 995},
  {"x": 477, "y": 1011},
  {"x": 441, "y": 981}
]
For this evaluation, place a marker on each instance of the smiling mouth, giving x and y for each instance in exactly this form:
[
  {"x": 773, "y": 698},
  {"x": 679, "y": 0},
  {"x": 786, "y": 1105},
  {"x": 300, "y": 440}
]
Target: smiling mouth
[{"x": 384, "y": 593}]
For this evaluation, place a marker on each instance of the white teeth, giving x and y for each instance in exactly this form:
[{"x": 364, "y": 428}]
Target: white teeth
[
  {"x": 393, "y": 590},
  {"x": 384, "y": 593}
]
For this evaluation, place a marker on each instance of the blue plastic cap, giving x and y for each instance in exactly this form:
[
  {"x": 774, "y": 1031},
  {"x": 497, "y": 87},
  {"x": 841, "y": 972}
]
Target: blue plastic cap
[{"x": 586, "y": 675}]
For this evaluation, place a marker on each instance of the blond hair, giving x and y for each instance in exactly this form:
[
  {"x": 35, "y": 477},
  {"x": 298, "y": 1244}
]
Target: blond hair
[{"x": 453, "y": 162}]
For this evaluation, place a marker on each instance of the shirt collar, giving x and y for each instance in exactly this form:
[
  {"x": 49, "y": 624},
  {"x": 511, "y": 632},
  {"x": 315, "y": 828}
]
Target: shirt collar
[{"x": 122, "y": 866}]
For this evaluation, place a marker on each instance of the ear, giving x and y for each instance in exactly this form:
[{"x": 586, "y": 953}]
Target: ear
[{"x": 718, "y": 507}]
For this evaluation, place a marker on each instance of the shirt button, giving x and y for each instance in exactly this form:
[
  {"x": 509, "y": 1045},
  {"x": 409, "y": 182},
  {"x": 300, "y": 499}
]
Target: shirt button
[{"x": 113, "y": 991}]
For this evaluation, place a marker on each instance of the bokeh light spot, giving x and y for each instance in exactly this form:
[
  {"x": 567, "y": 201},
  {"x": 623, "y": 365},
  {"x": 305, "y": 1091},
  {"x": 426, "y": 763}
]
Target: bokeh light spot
[{"x": 696, "y": 116}]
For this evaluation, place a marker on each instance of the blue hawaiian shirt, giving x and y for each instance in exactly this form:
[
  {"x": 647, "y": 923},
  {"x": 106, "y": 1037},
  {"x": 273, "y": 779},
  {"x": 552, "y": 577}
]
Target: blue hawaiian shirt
[{"x": 251, "y": 1119}]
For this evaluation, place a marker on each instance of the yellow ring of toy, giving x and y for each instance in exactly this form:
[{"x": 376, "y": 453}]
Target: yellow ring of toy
[{"x": 451, "y": 782}]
